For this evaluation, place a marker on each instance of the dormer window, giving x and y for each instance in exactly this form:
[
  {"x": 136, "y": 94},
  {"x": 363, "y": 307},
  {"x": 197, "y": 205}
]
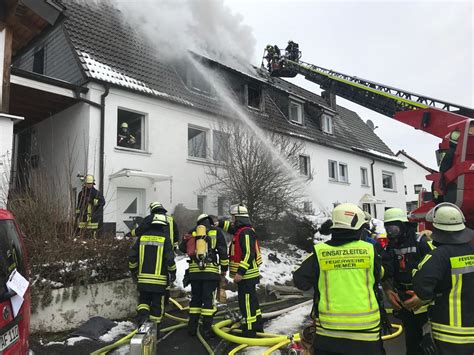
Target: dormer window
[
  {"x": 327, "y": 124},
  {"x": 296, "y": 112},
  {"x": 254, "y": 96},
  {"x": 197, "y": 82}
]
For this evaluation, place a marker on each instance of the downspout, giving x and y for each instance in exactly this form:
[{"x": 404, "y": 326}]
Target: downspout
[
  {"x": 373, "y": 185},
  {"x": 102, "y": 135}
]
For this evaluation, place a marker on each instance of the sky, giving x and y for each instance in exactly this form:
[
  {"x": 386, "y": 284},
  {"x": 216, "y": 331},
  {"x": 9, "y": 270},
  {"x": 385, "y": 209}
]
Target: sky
[{"x": 424, "y": 47}]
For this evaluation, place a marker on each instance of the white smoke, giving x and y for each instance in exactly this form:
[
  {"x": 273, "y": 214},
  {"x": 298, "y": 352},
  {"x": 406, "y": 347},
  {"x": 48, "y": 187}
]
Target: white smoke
[{"x": 207, "y": 27}]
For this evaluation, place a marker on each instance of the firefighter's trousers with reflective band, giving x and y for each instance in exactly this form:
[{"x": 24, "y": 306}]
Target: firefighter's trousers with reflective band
[
  {"x": 445, "y": 348},
  {"x": 151, "y": 306},
  {"x": 203, "y": 295},
  {"x": 249, "y": 306}
]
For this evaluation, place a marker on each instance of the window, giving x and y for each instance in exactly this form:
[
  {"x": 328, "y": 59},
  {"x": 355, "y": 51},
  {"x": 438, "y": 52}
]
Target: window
[
  {"x": 197, "y": 143},
  {"x": 223, "y": 206},
  {"x": 364, "y": 177},
  {"x": 130, "y": 129},
  {"x": 308, "y": 207},
  {"x": 304, "y": 165},
  {"x": 201, "y": 203},
  {"x": 406, "y": 192},
  {"x": 38, "y": 62},
  {"x": 366, "y": 207},
  {"x": 332, "y": 170},
  {"x": 220, "y": 141},
  {"x": 326, "y": 123},
  {"x": 343, "y": 173},
  {"x": 197, "y": 82},
  {"x": 388, "y": 180},
  {"x": 296, "y": 112},
  {"x": 418, "y": 188},
  {"x": 254, "y": 96}
]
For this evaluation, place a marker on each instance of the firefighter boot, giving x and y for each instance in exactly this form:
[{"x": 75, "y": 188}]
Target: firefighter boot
[
  {"x": 259, "y": 325},
  {"x": 206, "y": 329},
  {"x": 193, "y": 324},
  {"x": 141, "y": 317}
]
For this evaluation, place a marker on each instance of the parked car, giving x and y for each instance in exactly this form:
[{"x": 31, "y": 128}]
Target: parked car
[{"x": 14, "y": 331}]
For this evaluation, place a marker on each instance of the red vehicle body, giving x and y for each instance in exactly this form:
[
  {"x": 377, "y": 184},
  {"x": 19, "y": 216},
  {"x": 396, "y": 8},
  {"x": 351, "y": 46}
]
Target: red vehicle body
[{"x": 14, "y": 331}]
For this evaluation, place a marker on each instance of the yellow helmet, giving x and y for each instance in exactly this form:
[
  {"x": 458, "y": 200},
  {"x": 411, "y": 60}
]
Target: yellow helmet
[
  {"x": 124, "y": 125},
  {"x": 454, "y": 136},
  {"x": 89, "y": 179},
  {"x": 394, "y": 214},
  {"x": 157, "y": 206},
  {"x": 448, "y": 222},
  {"x": 348, "y": 216},
  {"x": 239, "y": 210}
]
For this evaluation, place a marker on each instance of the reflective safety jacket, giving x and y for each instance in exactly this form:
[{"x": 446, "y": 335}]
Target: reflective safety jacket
[
  {"x": 148, "y": 221},
  {"x": 446, "y": 276},
  {"x": 151, "y": 258},
  {"x": 216, "y": 256},
  {"x": 90, "y": 208},
  {"x": 244, "y": 251},
  {"x": 344, "y": 275}
]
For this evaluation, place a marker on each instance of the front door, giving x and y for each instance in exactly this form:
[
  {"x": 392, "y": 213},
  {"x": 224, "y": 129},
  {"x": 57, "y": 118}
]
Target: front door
[{"x": 130, "y": 204}]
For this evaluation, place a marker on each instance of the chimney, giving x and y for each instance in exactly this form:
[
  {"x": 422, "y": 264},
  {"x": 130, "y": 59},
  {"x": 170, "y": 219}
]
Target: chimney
[{"x": 330, "y": 98}]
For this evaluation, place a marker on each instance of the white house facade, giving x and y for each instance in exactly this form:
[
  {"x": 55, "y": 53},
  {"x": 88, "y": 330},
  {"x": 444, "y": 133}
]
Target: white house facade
[{"x": 174, "y": 118}]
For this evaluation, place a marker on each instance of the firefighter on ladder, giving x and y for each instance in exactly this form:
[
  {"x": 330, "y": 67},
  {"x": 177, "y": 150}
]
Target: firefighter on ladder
[
  {"x": 245, "y": 259},
  {"x": 151, "y": 263},
  {"x": 207, "y": 249},
  {"x": 446, "y": 277},
  {"x": 344, "y": 273},
  {"x": 90, "y": 208}
]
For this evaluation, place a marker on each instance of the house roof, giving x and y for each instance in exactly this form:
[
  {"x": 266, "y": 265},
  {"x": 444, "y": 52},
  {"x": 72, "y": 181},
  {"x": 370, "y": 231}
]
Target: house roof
[
  {"x": 109, "y": 50},
  {"x": 402, "y": 152}
]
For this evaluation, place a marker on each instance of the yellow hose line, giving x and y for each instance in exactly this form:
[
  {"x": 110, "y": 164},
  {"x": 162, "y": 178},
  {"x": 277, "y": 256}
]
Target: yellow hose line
[
  {"x": 178, "y": 319},
  {"x": 119, "y": 342},
  {"x": 237, "y": 348},
  {"x": 249, "y": 341},
  {"x": 261, "y": 335},
  {"x": 394, "y": 335},
  {"x": 178, "y": 305},
  {"x": 276, "y": 347}
]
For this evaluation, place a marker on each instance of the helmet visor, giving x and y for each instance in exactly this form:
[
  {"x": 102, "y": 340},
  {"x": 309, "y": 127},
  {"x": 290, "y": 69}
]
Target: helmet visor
[{"x": 393, "y": 231}]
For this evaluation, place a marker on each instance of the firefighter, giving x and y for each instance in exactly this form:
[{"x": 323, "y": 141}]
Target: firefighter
[
  {"x": 90, "y": 208},
  {"x": 151, "y": 263},
  {"x": 446, "y": 276},
  {"x": 405, "y": 250},
  {"x": 125, "y": 138},
  {"x": 245, "y": 259},
  {"x": 207, "y": 249},
  {"x": 157, "y": 208},
  {"x": 292, "y": 51},
  {"x": 344, "y": 273}
]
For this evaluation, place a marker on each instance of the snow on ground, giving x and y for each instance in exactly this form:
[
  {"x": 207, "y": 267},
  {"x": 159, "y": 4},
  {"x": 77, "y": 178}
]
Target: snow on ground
[
  {"x": 69, "y": 342},
  {"x": 181, "y": 267},
  {"x": 274, "y": 272},
  {"x": 122, "y": 328}
]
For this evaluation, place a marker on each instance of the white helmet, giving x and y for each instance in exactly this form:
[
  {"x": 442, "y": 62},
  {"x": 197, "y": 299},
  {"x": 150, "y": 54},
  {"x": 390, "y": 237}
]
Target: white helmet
[
  {"x": 448, "y": 222},
  {"x": 239, "y": 210}
]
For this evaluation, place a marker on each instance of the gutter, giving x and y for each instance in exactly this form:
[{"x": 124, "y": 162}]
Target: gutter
[
  {"x": 102, "y": 135},
  {"x": 373, "y": 184}
]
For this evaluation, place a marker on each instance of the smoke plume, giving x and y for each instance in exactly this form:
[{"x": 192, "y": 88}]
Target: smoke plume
[{"x": 207, "y": 27}]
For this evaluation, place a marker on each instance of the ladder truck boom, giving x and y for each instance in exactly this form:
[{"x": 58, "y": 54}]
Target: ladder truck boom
[{"x": 453, "y": 123}]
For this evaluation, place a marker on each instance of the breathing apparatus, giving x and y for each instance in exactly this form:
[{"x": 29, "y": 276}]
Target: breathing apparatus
[{"x": 201, "y": 246}]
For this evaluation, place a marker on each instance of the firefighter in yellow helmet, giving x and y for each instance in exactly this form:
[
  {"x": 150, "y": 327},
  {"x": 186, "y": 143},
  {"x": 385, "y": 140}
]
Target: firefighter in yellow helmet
[
  {"x": 344, "y": 273},
  {"x": 245, "y": 259},
  {"x": 405, "y": 250},
  {"x": 151, "y": 263},
  {"x": 207, "y": 249},
  {"x": 125, "y": 138},
  {"x": 446, "y": 277},
  {"x": 90, "y": 209}
]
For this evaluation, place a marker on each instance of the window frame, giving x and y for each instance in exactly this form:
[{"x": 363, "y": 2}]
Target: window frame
[
  {"x": 214, "y": 132},
  {"x": 206, "y": 148},
  {"x": 341, "y": 164},
  {"x": 143, "y": 129},
  {"x": 191, "y": 76},
  {"x": 307, "y": 161},
  {"x": 327, "y": 128},
  {"x": 420, "y": 188},
  {"x": 256, "y": 88},
  {"x": 300, "y": 111},
  {"x": 364, "y": 173},
  {"x": 335, "y": 170},
  {"x": 392, "y": 175}
]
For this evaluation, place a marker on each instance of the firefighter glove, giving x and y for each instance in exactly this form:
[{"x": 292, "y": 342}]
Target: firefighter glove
[{"x": 427, "y": 343}]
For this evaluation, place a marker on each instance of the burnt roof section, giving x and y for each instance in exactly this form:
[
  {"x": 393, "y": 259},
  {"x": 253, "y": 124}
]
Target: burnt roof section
[{"x": 109, "y": 50}]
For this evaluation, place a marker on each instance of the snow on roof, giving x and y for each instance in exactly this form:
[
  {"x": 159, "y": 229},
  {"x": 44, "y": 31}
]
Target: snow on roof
[
  {"x": 104, "y": 72},
  {"x": 379, "y": 154}
]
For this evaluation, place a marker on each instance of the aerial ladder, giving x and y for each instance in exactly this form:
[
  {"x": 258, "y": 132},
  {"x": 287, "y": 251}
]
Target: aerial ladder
[{"x": 453, "y": 123}]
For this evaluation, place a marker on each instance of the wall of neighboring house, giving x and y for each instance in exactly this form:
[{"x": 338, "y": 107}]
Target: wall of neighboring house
[
  {"x": 325, "y": 191},
  {"x": 414, "y": 175}
]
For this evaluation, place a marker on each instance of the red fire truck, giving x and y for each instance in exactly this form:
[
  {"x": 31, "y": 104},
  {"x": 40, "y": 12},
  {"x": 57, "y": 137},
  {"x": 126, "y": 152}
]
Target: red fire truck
[{"x": 14, "y": 330}]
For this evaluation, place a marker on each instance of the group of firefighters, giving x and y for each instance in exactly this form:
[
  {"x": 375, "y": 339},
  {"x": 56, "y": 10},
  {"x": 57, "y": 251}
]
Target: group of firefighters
[{"x": 429, "y": 281}]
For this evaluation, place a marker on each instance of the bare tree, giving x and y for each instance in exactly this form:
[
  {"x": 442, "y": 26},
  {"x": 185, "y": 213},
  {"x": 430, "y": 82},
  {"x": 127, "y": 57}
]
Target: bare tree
[{"x": 262, "y": 172}]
